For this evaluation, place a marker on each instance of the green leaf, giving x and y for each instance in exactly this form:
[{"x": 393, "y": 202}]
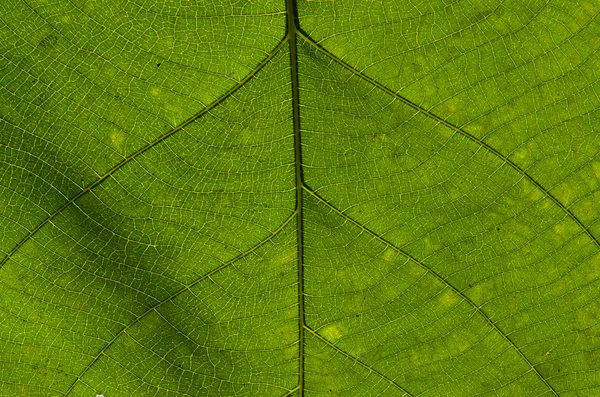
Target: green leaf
[{"x": 281, "y": 198}]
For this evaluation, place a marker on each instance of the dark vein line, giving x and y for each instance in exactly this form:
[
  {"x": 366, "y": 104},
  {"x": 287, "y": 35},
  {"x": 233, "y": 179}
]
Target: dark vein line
[
  {"x": 176, "y": 294},
  {"x": 163, "y": 356},
  {"x": 539, "y": 85},
  {"x": 437, "y": 276},
  {"x": 355, "y": 359},
  {"x": 455, "y": 128},
  {"x": 292, "y": 29},
  {"x": 144, "y": 149}
]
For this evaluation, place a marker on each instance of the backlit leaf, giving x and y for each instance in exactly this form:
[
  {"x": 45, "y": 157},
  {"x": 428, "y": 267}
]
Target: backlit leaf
[{"x": 299, "y": 198}]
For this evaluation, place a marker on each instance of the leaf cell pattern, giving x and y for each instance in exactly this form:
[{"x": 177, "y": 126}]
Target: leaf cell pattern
[{"x": 299, "y": 198}]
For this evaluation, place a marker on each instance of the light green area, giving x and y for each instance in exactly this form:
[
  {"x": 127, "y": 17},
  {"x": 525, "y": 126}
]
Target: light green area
[{"x": 150, "y": 234}]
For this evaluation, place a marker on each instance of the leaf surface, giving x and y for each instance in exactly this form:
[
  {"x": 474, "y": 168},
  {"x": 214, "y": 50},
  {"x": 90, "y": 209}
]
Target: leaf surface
[{"x": 281, "y": 198}]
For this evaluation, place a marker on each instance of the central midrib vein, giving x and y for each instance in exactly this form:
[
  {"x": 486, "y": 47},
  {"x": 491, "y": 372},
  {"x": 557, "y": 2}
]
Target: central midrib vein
[{"x": 292, "y": 20}]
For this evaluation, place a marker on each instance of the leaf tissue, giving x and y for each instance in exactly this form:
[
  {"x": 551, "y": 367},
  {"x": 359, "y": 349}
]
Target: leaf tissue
[{"x": 299, "y": 198}]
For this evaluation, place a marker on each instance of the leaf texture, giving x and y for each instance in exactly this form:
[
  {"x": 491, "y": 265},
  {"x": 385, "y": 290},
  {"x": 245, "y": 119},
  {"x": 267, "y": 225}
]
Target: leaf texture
[{"x": 299, "y": 198}]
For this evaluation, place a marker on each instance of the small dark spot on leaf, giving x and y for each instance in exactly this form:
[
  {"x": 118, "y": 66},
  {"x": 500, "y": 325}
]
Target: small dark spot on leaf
[
  {"x": 48, "y": 41},
  {"x": 158, "y": 64},
  {"x": 481, "y": 16},
  {"x": 417, "y": 67}
]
